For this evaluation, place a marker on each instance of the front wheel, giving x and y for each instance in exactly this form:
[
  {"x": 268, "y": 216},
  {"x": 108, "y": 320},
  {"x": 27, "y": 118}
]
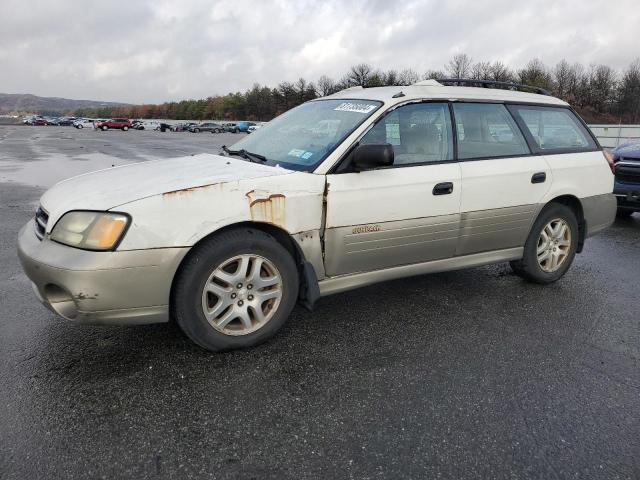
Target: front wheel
[
  {"x": 105, "y": 128},
  {"x": 124, "y": 129},
  {"x": 235, "y": 290},
  {"x": 550, "y": 247}
]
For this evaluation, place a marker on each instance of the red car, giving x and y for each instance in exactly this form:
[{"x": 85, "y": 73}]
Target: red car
[{"x": 119, "y": 123}]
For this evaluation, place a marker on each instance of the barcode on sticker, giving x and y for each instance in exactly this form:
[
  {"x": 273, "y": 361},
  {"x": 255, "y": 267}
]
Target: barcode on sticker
[{"x": 355, "y": 107}]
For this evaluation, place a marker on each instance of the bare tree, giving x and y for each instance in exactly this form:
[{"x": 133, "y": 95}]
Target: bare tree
[
  {"x": 481, "y": 71},
  {"x": 326, "y": 86},
  {"x": 562, "y": 78},
  {"x": 433, "y": 75},
  {"x": 459, "y": 66},
  {"x": 535, "y": 73},
  {"x": 359, "y": 74},
  {"x": 500, "y": 72},
  {"x": 628, "y": 104},
  {"x": 408, "y": 77},
  {"x": 602, "y": 85},
  {"x": 391, "y": 78}
]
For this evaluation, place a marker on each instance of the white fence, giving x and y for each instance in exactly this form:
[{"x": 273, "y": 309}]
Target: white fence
[{"x": 613, "y": 135}]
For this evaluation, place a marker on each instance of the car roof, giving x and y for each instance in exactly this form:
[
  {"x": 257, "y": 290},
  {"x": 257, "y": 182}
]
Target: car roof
[{"x": 431, "y": 89}]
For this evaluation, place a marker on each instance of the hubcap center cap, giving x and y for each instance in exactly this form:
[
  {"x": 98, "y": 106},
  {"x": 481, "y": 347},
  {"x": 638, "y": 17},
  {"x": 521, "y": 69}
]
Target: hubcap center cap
[{"x": 242, "y": 294}]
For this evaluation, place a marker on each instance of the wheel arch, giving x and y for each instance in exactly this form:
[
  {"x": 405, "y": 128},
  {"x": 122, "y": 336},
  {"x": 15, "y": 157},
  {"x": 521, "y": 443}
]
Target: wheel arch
[
  {"x": 575, "y": 205},
  {"x": 309, "y": 290}
]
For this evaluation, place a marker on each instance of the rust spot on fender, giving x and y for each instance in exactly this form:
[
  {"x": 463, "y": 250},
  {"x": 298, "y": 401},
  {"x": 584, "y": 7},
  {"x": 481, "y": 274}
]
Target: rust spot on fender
[
  {"x": 185, "y": 191},
  {"x": 269, "y": 209}
]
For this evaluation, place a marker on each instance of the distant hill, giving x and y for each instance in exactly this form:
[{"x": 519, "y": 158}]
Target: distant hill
[{"x": 27, "y": 103}]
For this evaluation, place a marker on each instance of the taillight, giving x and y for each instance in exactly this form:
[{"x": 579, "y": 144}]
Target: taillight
[{"x": 610, "y": 161}]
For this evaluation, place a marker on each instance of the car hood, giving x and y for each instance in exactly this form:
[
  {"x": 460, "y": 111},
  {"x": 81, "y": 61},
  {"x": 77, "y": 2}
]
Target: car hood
[
  {"x": 107, "y": 189},
  {"x": 631, "y": 150}
]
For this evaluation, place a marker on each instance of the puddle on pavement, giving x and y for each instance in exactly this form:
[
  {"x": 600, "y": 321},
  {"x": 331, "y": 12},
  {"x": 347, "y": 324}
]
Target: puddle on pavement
[{"x": 54, "y": 168}]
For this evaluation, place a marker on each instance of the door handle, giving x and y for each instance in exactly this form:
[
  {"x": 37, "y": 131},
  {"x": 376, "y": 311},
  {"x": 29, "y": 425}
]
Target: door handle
[
  {"x": 444, "y": 188},
  {"x": 539, "y": 177}
]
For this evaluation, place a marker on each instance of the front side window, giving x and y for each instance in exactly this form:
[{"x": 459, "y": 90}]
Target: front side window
[
  {"x": 419, "y": 133},
  {"x": 554, "y": 128},
  {"x": 303, "y": 137},
  {"x": 487, "y": 130}
]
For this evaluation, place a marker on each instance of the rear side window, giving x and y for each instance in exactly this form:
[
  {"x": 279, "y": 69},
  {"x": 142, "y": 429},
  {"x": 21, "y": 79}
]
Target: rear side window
[
  {"x": 487, "y": 130},
  {"x": 554, "y": 128}
]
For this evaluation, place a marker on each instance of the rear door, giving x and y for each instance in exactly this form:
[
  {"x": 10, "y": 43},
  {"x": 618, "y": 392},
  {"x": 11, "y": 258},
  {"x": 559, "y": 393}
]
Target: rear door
[
  {"x": 408, "y": 213},
  {"x": 502, "y": 182}
]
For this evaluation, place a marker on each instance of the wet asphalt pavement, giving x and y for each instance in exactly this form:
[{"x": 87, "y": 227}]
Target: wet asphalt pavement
[{"x": 469, "y": 374}]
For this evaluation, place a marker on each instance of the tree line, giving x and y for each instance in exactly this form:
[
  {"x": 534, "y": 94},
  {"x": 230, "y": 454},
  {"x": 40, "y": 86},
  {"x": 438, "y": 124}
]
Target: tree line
[{"x": 598, "y": 92}]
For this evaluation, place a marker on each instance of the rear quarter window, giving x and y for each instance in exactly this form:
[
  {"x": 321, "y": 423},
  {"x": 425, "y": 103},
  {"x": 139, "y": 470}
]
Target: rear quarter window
[{"x": 554, "y": 128}]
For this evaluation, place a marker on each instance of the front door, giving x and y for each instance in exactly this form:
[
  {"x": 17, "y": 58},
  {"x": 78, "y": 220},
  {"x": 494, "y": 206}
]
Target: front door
[{"x": 404, "y": 214}]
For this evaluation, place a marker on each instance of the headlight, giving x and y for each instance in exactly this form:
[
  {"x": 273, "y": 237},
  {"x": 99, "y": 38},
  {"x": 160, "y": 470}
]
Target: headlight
[{"x": 90, "y": 230}]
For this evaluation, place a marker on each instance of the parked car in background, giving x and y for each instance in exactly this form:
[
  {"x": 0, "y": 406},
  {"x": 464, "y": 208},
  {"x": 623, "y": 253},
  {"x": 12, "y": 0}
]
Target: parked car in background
[
  {"x": 243, "y": 126},
  {"x": 37, "y": 121},
  {"x": 182, "y": 127},
  {"x": 227, "y": 244},
  {"x": 84, "y": 123},
  {"x": 66, "y": 121},
  {"x": 206, "y": 127},
  {"x": 626, "y": 159},
  {"x": 144, "y": 125},
  {"x": 114, "y": 123},
  {"x": 229, "y": 126},
  {"x": 253, "y": 128}
]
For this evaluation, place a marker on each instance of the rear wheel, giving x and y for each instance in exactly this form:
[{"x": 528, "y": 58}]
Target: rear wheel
[
  {"x": 550, "y": 247},
  {"x": 235, "y": 290},
  {"x": 125, "y": 128}
]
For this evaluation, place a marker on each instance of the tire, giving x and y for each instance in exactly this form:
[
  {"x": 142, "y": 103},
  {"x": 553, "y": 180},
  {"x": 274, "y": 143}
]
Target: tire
[
  {"x": 235, "y": 130},
  {"x": 125, "y": 128},
  {"x": 545, "y": 271},
  {"x": 79, "y": 126},
  {"x": 201, "y": 267},
  {"x": 623, "y": 213},
  {"x": 105, "y": 128},
  {"x": 196, "y": 130}
]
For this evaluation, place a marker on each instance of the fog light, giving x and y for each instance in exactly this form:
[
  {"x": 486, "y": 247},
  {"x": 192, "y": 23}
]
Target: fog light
[{"x": 61, "y": 301}]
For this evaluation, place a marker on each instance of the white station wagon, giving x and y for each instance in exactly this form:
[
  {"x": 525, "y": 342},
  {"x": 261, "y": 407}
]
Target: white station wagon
[{"x": 363, "y": 186}]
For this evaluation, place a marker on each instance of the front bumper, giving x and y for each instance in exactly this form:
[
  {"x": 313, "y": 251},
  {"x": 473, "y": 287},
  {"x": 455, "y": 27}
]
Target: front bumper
[
  {"x": 121, "y": 287},
  {"x": 627, "y": 195}
]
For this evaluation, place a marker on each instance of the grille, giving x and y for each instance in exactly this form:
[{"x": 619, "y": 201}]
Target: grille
[
  {"x": 628, "y": 171},
  {"x": 42, "y": 218}
]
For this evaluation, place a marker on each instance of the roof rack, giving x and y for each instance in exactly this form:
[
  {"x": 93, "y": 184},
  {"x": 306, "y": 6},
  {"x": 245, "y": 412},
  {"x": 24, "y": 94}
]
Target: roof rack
[{"x": 469, "y": 82}]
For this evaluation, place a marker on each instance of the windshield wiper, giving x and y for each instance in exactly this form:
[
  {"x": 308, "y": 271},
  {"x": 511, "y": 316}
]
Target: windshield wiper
[{"x": 252, "y": 157}]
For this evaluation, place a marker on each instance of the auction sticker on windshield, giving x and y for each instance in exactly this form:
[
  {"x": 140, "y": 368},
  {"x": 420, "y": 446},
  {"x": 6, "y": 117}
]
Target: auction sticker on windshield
[{"x": 355, "y": 107}]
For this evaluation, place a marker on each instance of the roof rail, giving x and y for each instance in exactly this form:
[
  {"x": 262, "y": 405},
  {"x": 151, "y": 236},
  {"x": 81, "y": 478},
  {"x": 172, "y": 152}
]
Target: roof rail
[{"x": 469, "y": 82}]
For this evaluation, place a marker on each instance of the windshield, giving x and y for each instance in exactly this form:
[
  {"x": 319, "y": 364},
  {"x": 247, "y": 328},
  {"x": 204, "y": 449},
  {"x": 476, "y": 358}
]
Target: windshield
[{"x": 303, "y": 137}]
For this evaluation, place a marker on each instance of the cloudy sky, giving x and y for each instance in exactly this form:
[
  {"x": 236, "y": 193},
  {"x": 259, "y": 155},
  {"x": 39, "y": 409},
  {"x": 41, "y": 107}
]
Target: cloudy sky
[{"x": 152, "y": 51}]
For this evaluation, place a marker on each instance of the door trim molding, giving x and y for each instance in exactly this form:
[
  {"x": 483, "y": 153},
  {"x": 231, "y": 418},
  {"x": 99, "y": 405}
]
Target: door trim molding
[{"x": 342, "y": 283}]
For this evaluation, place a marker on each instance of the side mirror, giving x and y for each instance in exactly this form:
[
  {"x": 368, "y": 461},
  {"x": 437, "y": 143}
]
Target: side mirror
[{"x": 369, "y": 157}]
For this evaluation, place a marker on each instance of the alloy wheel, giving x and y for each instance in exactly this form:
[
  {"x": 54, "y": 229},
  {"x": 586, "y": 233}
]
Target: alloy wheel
[
  {"x": 554, "y": 245},
  {"x": 242, "y": 294}
]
